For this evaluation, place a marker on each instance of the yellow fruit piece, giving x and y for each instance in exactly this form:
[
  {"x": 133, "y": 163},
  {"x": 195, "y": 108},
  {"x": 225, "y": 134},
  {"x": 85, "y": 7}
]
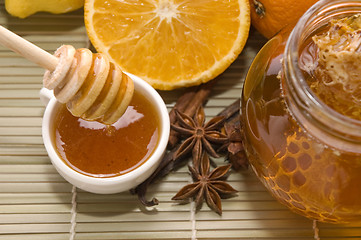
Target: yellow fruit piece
[
  {"x": 25, "y": 8},
  {"x": 169, "y": 43}
]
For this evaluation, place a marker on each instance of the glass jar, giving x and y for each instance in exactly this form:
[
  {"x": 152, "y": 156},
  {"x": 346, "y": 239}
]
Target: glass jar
[{"x": 307, "y": 154}]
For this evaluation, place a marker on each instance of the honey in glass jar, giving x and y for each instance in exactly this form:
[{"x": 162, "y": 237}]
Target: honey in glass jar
[{"x": 301, "y": 106}]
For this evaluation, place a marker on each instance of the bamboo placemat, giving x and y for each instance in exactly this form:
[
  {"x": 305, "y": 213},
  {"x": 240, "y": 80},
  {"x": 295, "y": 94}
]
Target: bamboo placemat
[{"x": 36, "y": 203}]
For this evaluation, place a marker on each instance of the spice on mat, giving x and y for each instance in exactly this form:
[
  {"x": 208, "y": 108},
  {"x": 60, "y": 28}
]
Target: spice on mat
[
  {"x": 199, "y": 136},
  {"x": 233, "y": 147},
  {"x": 188, "y": 103},
  {"x": 208, "y": 185},
  {"x": 218, "y": 137}
]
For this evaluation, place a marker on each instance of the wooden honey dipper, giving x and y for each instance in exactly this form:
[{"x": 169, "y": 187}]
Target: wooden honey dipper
[{"x": 91, "y": 86}]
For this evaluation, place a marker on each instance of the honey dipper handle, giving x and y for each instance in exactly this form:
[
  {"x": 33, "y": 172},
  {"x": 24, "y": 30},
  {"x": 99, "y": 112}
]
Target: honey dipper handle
[{"x": 27, "y": 49}]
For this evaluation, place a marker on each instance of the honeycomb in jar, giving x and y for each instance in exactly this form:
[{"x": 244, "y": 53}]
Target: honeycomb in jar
[
  {"x": 304, "y": 177},
  {"x": 337, "y": 74}
]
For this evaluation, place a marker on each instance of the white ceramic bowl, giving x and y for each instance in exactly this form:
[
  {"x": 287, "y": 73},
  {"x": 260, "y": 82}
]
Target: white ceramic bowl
[{"x": 113, "y": 184}]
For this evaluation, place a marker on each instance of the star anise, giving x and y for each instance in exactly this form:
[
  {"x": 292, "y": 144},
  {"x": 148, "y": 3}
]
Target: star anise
[
  {"x": 207, "y": 185},
  {"x": 198, "y": 135},
  {"x": 234, "y": 147}
]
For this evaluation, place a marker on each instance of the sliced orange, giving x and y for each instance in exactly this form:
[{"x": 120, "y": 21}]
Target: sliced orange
[{"x": 169, "y": 43}]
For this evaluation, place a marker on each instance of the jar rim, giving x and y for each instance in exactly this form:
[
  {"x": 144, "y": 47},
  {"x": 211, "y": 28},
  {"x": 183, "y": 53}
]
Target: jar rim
[{"x": 314, "y": 110}]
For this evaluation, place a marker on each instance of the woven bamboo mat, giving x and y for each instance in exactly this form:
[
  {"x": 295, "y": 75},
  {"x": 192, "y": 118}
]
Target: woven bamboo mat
[{"x": 36, "y": 203}]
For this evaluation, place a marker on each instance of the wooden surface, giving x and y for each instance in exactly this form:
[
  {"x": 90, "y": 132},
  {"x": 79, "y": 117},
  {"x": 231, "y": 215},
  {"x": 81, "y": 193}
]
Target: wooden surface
[{"x": 37, "y": 203}]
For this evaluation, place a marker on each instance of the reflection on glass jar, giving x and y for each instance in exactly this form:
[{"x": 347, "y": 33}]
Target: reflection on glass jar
[{"x": 305, "y": 148}]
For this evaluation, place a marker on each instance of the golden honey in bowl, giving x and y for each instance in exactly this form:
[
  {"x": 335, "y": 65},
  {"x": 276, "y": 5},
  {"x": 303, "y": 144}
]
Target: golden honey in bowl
[
  {"x": 302, "y": 132},
  {"x": 98, "y": 150}
]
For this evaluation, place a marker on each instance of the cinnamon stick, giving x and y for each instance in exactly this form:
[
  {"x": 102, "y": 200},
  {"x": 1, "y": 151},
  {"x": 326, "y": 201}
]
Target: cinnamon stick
[
  {"x": 199, "y": 98},
  {"x": 181, "y": 104},
  {"x": 230, "y": 110},
  {"x": 165, "y": 167}
]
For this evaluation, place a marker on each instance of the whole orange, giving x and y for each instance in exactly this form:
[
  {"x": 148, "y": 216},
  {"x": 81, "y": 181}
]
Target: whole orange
[{"x": 270, "y": 16}]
